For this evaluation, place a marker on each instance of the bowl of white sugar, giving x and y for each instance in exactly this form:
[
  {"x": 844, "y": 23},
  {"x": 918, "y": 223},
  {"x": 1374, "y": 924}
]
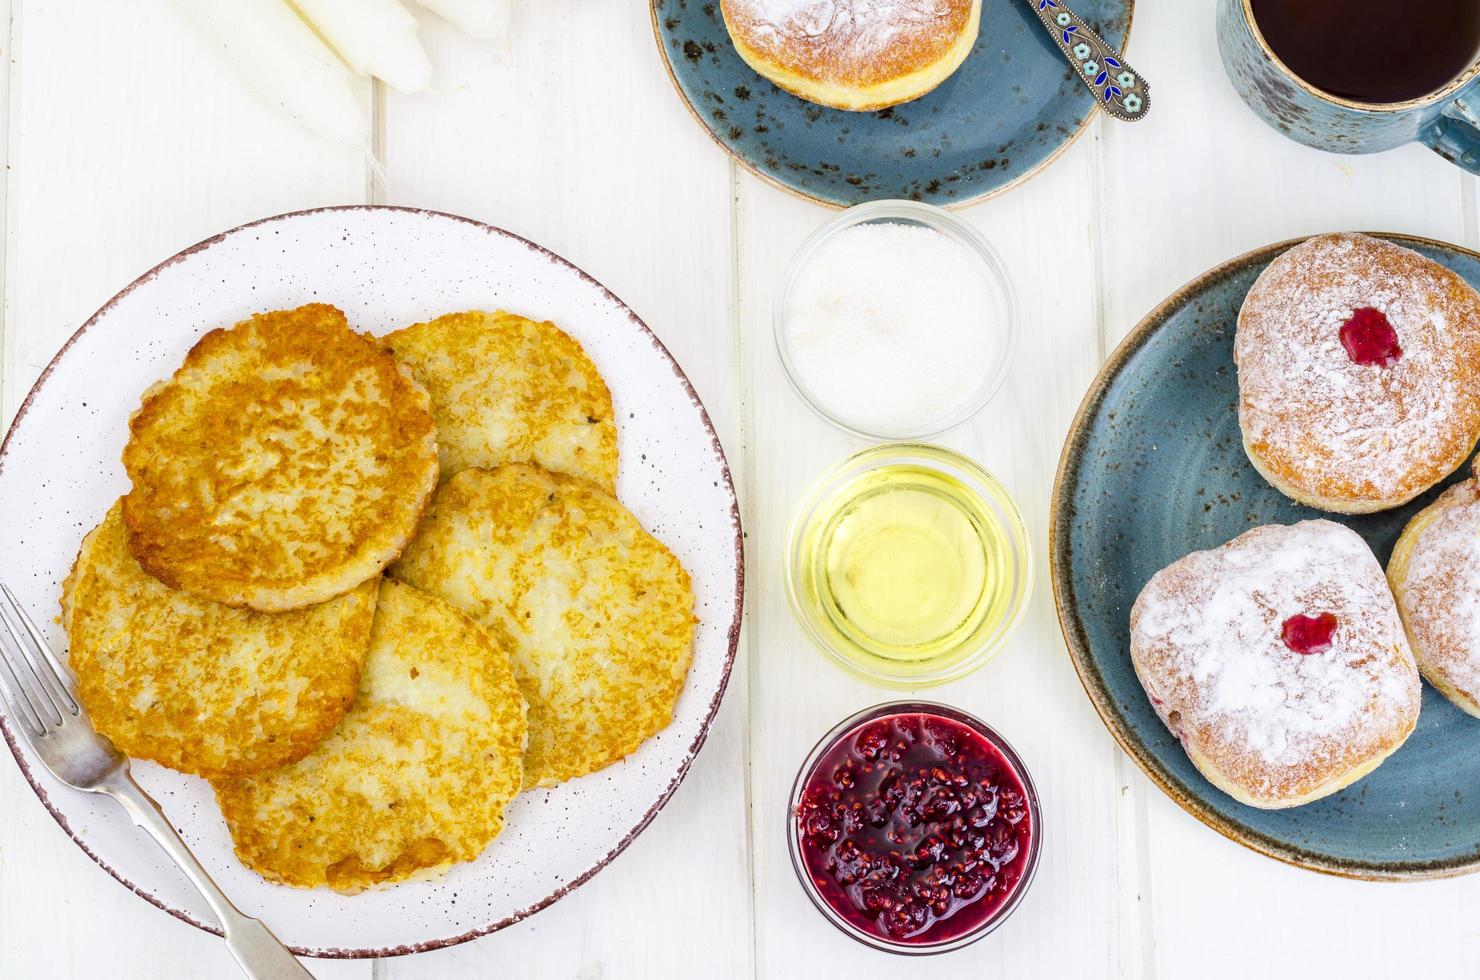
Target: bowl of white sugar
[{"x": 895, "y": 320}]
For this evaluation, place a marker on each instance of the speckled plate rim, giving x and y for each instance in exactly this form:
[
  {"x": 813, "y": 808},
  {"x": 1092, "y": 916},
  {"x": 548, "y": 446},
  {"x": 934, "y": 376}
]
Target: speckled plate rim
[
  {"x": 1033, "y": 171},
  {"x": 1076, "y": 640},
  {"x": 733, "y": 633}
]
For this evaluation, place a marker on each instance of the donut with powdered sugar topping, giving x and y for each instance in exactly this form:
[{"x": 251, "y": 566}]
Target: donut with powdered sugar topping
[
  {"x": 857, "y": 55},
  {"x": 1279, "y": 662},
  {"x": 1358, "y": 372},
  {"x": 1435, "y": 575}
]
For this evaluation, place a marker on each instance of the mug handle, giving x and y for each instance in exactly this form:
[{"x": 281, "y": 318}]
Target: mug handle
[{"x": 1455, "y": 135}]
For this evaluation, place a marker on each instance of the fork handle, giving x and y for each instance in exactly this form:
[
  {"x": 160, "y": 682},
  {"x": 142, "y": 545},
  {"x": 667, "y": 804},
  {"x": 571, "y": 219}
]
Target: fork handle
[{"x": 258, "y": 952}]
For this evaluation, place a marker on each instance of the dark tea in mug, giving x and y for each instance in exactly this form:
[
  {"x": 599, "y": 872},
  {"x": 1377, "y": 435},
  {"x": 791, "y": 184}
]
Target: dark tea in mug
[{"x": 1372, "y": 50}]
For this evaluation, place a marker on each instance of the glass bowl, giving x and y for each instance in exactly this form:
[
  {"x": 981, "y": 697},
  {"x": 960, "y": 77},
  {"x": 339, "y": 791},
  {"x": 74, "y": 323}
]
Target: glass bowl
[
  {"x": 1003, "y": 325},
  {"x": 848, "y": 728},
  {"x": 984, "y": 506}
]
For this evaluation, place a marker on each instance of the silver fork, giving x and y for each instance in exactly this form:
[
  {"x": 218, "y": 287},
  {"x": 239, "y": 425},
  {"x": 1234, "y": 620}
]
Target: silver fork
[{"x": 40, "y": 699}]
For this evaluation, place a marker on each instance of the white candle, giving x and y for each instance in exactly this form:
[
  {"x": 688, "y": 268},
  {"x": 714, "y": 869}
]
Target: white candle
[
  {"x": 286, "y": 62},
  {"x": 475, "y": 18},
  {"x": 374, "y": 37}
]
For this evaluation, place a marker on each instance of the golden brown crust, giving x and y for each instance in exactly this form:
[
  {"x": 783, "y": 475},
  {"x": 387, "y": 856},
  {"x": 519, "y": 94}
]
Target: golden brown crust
[
  {"x": 596, "y": 613},
  {"x": 285, "y": 462},
  {"x": 507, "y": 389},
  {"x": 1435, "y": 575},
  {"x": 199, "y": 686},
  {"x": 1346, "y": 437},
  {"x": 1270, "y": 726},
  {"x": 853, "y": 54},
  {"x": 416, "y": 776}
]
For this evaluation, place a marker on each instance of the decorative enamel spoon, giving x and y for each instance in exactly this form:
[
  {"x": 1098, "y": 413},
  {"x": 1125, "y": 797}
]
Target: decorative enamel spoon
[{"x": 1116, "y": 87}]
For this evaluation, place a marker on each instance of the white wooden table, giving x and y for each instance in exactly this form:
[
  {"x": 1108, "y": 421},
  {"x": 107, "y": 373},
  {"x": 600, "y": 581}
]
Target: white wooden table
[{"x": 129, "y": 139}]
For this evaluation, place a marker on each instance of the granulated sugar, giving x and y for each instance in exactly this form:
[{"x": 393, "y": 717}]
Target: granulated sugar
[{"x": 890, "y": 327}]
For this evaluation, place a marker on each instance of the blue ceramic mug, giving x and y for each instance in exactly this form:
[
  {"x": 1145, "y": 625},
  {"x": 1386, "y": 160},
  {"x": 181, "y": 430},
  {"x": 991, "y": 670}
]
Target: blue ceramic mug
[{"x": 1445, "y": 120}]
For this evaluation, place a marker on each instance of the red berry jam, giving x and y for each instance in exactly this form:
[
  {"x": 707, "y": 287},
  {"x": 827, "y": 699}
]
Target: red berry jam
[
  {"x": 914, "y": 828},
  {"x": 1370, "y": 339},
  {"x": 1309, "y": 634}
]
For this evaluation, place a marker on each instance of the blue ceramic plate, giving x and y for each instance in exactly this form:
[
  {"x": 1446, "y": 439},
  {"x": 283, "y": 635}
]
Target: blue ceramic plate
[
  {"x": 1012, "y": 107},
  {"x": 1154, "y": 468}
]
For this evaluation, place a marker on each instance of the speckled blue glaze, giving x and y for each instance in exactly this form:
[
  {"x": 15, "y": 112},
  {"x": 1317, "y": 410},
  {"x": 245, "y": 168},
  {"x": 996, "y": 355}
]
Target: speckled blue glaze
[
  {"x": 1154, "y": 469},
  {"x": 1007, "y": 111},
  {"x": 1446, "y": 122}
]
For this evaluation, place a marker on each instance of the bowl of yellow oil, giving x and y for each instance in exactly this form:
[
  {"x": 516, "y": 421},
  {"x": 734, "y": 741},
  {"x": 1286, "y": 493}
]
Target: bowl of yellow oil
[{"x": 909, "y": 565}]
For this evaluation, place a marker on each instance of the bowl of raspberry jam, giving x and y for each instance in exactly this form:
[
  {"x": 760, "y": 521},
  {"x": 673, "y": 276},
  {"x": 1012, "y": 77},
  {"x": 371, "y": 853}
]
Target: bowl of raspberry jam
[{"x": 914, "y": 828}]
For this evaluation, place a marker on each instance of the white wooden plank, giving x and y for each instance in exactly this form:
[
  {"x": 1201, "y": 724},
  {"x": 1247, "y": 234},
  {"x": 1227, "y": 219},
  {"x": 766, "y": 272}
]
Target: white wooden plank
[
  {"x": 1030, "y": 691},
  {"x": 154, "y": 145},
  {"x": 1201, "y": 181},
  {"x": 577, "y": 141},
  {"x": 130, "y": 139},
  {"x": 11, "y": 35},
  {"x": 1209, "y": 893}
]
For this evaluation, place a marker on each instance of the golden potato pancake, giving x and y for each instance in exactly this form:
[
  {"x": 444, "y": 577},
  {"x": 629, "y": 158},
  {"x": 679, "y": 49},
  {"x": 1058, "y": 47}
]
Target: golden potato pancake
[
  {"x": 596, "y": 613},
  {"x": 199, "y": 686},
  {"x": 506, "y": 389},
  {"x": 416, "y": 776},
  {"x": 287, "y": 461}
]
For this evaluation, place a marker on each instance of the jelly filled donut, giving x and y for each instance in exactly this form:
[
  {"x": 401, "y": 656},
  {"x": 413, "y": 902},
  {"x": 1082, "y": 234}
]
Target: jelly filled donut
[
  {"x": 1358, "y": 372},
  {"x": 1435, "y": 575},
  {"x": 854, "y": 54},
  {"x": 1279, "y": 661}
]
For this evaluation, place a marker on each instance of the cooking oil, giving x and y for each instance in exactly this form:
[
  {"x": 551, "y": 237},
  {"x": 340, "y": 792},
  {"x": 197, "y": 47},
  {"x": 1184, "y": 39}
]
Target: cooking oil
[{"x": 905, "y": 568}]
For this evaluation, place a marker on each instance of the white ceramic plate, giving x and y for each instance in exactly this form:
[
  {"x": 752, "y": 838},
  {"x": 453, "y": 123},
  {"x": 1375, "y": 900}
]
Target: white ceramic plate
[{"x": 385, "y": 267}]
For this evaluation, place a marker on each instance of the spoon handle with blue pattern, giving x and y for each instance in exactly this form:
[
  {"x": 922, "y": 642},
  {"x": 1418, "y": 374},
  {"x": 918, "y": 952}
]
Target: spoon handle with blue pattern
[{"x": 1116, "y": 86}]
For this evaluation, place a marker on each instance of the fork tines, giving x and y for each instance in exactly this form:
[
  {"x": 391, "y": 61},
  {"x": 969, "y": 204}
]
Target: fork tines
[{"x": 31, "y": 677}]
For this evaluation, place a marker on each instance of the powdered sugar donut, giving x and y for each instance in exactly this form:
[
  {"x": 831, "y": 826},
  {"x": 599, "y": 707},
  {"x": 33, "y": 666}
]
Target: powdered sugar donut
[
  {"x": 857, "y": 55},
  {"x": 1359, "y": 373},
  {"x": 1435, "y": 575},
  {"x": 1279, "y": 661}
]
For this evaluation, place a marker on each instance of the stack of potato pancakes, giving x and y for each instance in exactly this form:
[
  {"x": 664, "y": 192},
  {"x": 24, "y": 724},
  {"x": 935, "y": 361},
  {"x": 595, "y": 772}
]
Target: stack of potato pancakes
[{"x": 372, "y": 587}]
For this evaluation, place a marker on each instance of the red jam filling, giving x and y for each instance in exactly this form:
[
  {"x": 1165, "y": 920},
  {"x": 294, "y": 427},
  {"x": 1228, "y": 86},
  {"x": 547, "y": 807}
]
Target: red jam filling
[
  {"x": 914, "y": 828},
  {"x": 1370, "y": 339},
  {"x": 1309, "y": 634}
]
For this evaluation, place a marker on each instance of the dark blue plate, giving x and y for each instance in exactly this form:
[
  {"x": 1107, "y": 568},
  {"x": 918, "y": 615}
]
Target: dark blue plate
[
  {"x": 1154, "y": 468},
  {"x": 1011, "y": 107}
]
